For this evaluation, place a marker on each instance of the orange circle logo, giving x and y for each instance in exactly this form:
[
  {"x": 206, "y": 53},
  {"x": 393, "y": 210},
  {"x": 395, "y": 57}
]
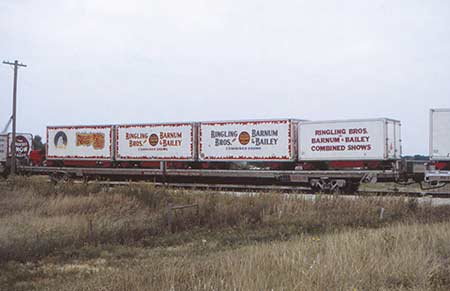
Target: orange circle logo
[
  {"x": 153, "y": 140},
  {"x": 244, "y": 138}
]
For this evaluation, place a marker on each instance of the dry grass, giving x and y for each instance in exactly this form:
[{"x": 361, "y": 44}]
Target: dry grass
[
  {"x": 404, "y": 257},
  {"x": 118, "y": 238},
  {"x": 400, "y": 257}
]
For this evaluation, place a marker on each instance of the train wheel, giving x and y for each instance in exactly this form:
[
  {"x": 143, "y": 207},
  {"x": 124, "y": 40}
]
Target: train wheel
[
  {"x": 316, "y": 189},
  {"x": 350, "y": 187}
]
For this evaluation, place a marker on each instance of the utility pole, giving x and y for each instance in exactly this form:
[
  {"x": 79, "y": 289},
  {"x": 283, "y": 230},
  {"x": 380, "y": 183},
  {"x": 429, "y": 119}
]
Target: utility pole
[{"x": 16, "y": 66}]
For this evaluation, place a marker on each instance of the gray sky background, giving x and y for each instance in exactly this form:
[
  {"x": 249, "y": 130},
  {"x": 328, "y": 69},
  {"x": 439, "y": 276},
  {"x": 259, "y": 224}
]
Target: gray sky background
[{"x": 108, "y": 61}]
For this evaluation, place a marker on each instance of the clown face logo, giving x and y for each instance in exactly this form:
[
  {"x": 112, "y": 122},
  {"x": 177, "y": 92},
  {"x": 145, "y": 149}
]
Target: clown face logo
[
  {"x": 244, "y": 138},
  {"x": 153, "y": 139}
]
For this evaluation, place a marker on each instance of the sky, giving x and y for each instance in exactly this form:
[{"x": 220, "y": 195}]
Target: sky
[{"x": 138, "y": 61}]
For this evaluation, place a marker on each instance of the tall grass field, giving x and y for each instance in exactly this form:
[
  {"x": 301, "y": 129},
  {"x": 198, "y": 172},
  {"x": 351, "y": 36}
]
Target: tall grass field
[{"x": 89, "y": 237}]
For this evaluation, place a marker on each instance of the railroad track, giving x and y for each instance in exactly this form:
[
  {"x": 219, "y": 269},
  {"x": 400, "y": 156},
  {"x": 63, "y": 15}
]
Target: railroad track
[{"x": 277, "y": 189}]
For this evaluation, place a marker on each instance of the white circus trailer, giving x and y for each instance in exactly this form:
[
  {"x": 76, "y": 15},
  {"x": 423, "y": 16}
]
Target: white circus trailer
[
  {"x": 344, "y": 140},
  {"x": 440, "y": 134},
  {"x": 254, "y": 140},
  {"x": 155, "y": 142},
  {"x": 80, "y": 143}
]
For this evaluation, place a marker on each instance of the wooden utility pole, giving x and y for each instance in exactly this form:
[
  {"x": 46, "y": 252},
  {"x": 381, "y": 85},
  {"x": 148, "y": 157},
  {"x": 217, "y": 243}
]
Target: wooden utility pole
[{"x": 16, "y": 66}]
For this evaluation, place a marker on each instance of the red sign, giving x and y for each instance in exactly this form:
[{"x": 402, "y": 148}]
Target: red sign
[{"x": 22, "y": 146}]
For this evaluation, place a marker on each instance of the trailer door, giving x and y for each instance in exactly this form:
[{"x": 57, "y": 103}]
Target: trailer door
[
  {"x": 440, "y": 134},
  {"x": 393, "y": 139}
]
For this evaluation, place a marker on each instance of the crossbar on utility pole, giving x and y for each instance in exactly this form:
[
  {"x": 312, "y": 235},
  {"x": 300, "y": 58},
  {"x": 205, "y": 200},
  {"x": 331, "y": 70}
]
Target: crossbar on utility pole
[{"x": 16, "y": 65}]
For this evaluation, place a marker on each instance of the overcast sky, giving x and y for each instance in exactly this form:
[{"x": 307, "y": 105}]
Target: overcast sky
[{"x": 109, "y": 61}]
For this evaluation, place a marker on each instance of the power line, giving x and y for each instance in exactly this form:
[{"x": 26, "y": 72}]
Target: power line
[{"x": 5, "y": 129}]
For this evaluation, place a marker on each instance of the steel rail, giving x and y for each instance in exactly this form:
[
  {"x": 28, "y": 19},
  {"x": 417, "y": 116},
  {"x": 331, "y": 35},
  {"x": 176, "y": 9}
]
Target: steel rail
[
  {"x": 273, "y": 188},
  {"x": 248, "y": 188}
]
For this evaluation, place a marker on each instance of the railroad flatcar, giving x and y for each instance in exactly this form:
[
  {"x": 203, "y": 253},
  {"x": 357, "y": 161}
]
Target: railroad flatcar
[{"x": 325, "y": 155}]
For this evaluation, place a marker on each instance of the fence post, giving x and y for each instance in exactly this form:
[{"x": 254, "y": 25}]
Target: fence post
[
  {"x": 171, "y": 211},
  {"x": 90, "y": 230},
  {"x": 163, "y": 168},
  {"x": 381, "y": 213},
  {"x": 198, "y": 214},
  {"x": 169, "y": 216}
]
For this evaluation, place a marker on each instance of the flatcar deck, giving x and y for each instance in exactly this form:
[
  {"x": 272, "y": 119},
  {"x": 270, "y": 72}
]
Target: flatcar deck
[{"x": 298, "y": 176}]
